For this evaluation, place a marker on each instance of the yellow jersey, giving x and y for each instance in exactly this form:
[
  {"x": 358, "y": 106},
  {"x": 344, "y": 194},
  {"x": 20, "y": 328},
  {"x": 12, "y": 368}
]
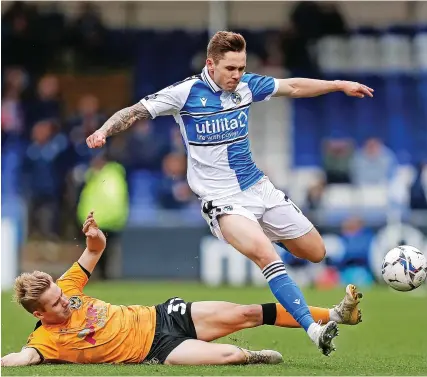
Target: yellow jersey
[{"x": 96, "y": 332}]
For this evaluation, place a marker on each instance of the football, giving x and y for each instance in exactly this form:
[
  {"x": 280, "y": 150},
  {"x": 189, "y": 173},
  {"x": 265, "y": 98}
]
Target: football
[{"x": 404, "y": 268}]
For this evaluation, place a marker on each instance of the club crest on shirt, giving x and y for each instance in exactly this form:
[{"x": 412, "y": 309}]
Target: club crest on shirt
[
  {"x": 236, "y": 98},
  {"x": 151, "y": 96},
  {"x": 75, "y": 302}
]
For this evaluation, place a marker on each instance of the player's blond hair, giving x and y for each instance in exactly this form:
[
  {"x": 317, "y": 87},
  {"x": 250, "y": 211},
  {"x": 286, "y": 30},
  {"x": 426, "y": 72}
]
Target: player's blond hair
[
  {"x": 29, "y": 287},
  {"x": 223, "y": 42}
]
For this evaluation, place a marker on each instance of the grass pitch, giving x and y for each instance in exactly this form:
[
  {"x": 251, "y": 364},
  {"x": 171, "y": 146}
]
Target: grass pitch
[{"x": 391, "y": 340}]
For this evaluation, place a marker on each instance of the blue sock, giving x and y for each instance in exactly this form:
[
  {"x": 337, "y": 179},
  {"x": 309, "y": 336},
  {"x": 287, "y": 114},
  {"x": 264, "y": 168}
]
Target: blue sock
[{"x": 287, "y": 293}]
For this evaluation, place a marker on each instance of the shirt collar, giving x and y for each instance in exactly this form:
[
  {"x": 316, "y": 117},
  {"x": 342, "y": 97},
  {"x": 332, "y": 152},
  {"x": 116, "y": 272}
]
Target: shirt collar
[{"x": 207, "y": 79}]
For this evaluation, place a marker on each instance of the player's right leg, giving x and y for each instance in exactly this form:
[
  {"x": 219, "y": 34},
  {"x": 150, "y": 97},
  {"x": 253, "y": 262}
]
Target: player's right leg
[
  {"x": 176, "y": 341},
  {"x": 198, "y": 352},
  {"x": 247, "y": 236}
]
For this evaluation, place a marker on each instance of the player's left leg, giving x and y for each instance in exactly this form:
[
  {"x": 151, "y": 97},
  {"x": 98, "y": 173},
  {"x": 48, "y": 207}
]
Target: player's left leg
[
  {"x": 197, "y": 352},
  {"x": 216, "y": 319},
  {"x": 285, "y": 224},
  {"x": 309, "y": 246}
]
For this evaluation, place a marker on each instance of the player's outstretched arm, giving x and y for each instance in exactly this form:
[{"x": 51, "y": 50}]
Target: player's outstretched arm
[
  {"x": 28, "y": 356},
  {"x": 302, "y": 88},
  {"x": 95, "y": 244},
  {"x": 119, "y": 122}
]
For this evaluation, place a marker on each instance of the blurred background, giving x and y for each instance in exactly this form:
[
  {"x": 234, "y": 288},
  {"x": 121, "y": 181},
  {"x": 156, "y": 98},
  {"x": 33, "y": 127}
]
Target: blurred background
[{"x": 357, "y": 168}]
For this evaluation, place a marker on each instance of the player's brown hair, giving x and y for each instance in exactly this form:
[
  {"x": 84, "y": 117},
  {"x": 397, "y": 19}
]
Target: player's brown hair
[
  {"x": 223, "y": 42},
  {"x": 29, "y": 287}
]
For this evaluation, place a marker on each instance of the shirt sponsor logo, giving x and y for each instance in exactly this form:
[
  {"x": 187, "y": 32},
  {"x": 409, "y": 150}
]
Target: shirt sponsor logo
[{"x": 221, "y": 128}]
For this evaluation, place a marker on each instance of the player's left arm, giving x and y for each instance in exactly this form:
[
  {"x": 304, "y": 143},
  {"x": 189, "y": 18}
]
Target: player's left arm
[
  {"x": 95, "y": 244},
  {"x": 302, "y": 88}
]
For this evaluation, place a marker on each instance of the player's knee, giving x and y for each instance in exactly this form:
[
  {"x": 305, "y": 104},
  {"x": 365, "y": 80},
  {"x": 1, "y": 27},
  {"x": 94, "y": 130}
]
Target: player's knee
[
  {"x": 318, "y": 253},
  {"x": 263, "y": 253},
  {"x": 251, "y": 315}
]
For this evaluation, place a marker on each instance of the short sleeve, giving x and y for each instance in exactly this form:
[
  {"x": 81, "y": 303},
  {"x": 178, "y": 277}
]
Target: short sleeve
[
  {"x": 261, "y": 87},
  {"x": 43, "y": 343},
  {"x": 73, "y": 280},
  {"x": 169, "y": 101}
]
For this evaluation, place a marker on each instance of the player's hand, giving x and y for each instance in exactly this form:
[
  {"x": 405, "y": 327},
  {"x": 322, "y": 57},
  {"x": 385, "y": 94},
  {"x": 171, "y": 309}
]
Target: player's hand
[
  {"x": 96, "y": 140},
  {"x": 354, "y": 89},
  {"x": 95, "y": 238}
]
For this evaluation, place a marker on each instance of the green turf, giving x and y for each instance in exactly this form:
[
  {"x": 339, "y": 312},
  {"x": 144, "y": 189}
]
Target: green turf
[{"x": 390, "y": 341}]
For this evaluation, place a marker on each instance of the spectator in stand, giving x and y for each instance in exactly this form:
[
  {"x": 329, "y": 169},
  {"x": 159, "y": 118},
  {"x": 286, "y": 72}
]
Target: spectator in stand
[
  {"x": 146, "y": 149},
  {"x": 12, "y": 106},
  {"x": 337, "y": 155},
  {"x": 22, "y": 42},
  {"x": 354, "y": 264},
  {"x": 47, "y": 104},
  {"x": 315, "y": 194},
  {"x": 44, "y": 170},
  {"x": 173, "y": 191},
  {"x": 88, "y": 118},
  {"x": 88, "y": 37},
  {"x": 373, "y": 164},
  {"x": 418, "y": 191},
  {"x": 105, "y": 191},
  {"x": 177, "y": 144},
  {"x": 357, "y": 239}
]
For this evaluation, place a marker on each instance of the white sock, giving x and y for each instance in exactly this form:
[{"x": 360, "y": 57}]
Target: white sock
[
  {"x": 312, "y": 332},
  {"x": 334, "y": 316}
]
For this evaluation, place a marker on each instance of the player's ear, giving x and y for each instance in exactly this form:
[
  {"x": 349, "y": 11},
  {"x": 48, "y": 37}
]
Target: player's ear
[
  {"x": 38, "y": 314},
  {"x": 209, "y": 63}
]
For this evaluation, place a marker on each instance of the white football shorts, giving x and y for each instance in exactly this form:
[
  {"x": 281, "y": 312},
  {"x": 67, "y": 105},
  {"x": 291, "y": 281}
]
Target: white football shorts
[{"x": 277, "y": 215}]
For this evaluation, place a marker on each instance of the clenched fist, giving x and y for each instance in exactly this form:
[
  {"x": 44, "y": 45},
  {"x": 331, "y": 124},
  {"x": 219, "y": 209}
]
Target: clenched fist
[{"x": 96, "y": 140}]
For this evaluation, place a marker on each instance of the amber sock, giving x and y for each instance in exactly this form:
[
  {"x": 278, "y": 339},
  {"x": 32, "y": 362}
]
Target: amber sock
[{"x": 277, "y": 315}]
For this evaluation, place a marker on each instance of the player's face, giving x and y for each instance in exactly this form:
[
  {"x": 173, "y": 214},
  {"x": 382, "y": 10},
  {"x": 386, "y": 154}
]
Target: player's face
[
  {"x": 54, "y": 306},
  {"x": 228, "y": 71}
]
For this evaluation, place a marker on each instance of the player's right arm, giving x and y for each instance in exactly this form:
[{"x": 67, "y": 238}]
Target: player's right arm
[
  {"x": 168, "y": 101},
  {"x": 28, "y": 356},
  {"x": 119, "y": 122}
]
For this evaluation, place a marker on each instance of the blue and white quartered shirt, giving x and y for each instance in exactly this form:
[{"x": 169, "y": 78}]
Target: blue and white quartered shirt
[{"x": 214, "y": 127}]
